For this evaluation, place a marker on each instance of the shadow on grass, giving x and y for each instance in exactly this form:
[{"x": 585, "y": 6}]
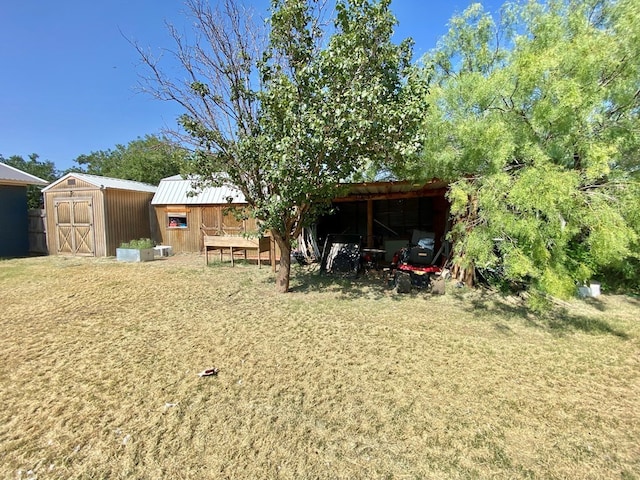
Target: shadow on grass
[
  {"x": 596, "y": 303},
  {"x": 567, "y": 321},
  {"x": 557, "y": 320},
  {"x": 634, "y": 299},
  {"x": 309, "y": 279}
]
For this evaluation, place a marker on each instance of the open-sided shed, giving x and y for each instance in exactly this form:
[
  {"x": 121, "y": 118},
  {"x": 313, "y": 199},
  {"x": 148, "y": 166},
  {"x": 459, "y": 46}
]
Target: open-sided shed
[
  {"x": 91, "y": 215},
  {"x": 14, "y": 236},
  {"x": 184, "y": 216},
  {"x": 387, "y": 214}
]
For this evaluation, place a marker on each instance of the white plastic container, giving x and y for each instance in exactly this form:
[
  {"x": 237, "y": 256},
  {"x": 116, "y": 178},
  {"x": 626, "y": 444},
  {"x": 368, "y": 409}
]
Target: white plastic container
[
  {"x": 584, "y": 291},
  {"x": 593, "y": 290}
]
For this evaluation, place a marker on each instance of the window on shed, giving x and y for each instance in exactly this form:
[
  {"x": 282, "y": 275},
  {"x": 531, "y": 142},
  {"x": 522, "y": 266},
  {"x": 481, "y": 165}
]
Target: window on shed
[{"x": 177, "y": 220}]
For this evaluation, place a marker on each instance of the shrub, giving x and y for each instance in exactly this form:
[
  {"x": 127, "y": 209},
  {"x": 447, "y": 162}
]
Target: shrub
[{"x": 138, "y": 244}]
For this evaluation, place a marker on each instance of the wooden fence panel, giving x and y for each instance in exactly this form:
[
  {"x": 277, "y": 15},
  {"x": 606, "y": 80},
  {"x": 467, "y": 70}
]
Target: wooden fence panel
[{"x": 37, "y": 232}]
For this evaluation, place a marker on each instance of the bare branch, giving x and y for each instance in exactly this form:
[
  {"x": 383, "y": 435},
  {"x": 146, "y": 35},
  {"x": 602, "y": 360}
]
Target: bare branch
[{"x": 219, "y": 73}]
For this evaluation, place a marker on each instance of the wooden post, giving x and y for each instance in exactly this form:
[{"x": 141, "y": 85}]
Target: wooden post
[{"x": 369, "y": 223}]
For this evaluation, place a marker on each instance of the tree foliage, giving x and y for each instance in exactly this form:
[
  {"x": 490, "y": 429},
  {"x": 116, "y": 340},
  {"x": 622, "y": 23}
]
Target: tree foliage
[
  {"x": 46, "y": 170},
  {"x": 287, "y": 115},
  {"x": 535, "y": 120},
  {"x": 147, "y": 160}
]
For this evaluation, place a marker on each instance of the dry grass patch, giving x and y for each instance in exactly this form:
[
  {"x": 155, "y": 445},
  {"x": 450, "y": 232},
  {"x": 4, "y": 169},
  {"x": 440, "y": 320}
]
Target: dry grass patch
[{"x": 339, "y": 379}]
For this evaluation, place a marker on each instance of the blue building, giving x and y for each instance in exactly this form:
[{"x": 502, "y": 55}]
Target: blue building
[{"x": 14, "y": 232}]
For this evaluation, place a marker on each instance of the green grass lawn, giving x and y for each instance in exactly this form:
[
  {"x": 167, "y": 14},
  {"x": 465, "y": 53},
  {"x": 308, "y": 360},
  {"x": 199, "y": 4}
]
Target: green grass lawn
[{"x": 99, "y": 366}]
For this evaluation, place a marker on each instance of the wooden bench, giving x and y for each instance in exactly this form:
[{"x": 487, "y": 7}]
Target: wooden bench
[{"x": 236, "y": 243}]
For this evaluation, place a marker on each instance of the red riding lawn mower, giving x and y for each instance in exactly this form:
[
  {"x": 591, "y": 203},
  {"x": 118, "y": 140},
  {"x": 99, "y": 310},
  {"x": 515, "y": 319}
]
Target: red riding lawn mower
[{"x": 415, "y": 265}]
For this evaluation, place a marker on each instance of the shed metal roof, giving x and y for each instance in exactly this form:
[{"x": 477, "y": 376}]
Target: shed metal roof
[
  {"x": 12, "y": 176},
  {"x": 106, "y": 182},
  {"x": 175, "y": 191}
]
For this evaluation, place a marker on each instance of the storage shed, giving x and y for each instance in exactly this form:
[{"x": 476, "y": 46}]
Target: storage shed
[
  {"x": 14, "y": 234},
  {"x": 184, "y": 216},
  {"x": 387, "y": 214},
  {"x": 91, "y": 215}
]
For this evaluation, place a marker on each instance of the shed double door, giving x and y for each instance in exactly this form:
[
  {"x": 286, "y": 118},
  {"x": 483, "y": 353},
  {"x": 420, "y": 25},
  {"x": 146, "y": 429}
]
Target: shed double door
[{"x": 74, "y": 226}]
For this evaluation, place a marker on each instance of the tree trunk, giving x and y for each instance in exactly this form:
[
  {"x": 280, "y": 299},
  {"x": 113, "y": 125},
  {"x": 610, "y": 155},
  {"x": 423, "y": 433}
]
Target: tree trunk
[
  {"x": 282, "y": 278},
  {"x": 464, "y": 267}
]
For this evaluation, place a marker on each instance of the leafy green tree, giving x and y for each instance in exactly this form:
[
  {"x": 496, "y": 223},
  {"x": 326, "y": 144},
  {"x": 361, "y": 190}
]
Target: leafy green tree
[
  {"x": 147, "y": 160},
  {"x": 287, "y": 119},
  {"x": 535, "y": 121},
  {"x": 46, "y": 170}
]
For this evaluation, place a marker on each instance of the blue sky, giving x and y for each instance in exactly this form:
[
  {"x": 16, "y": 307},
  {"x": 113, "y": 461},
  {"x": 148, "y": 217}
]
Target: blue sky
[{"x": 68, "y": 75}]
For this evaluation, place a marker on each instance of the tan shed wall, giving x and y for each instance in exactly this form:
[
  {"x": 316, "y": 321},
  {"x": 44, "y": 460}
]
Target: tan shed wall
[
  {"x": 211, "y": 219},
  {"x": 117, "y": 215},
  {"x": 80, "y": 190},
  {"x": 126, "y": 217},
  {"x": 79, "y": 185}
]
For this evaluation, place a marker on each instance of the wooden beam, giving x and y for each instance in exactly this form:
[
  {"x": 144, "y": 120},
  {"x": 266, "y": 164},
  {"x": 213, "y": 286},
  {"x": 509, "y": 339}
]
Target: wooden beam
[{"x": 436, "y": 192}]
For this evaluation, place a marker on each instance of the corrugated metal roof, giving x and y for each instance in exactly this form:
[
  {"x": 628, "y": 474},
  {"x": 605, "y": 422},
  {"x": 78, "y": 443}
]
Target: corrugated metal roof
[
  {"x": 106, "y": 182},
  {"x": 12, "y": 176},
  {"x": 175, "y": 191}
]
